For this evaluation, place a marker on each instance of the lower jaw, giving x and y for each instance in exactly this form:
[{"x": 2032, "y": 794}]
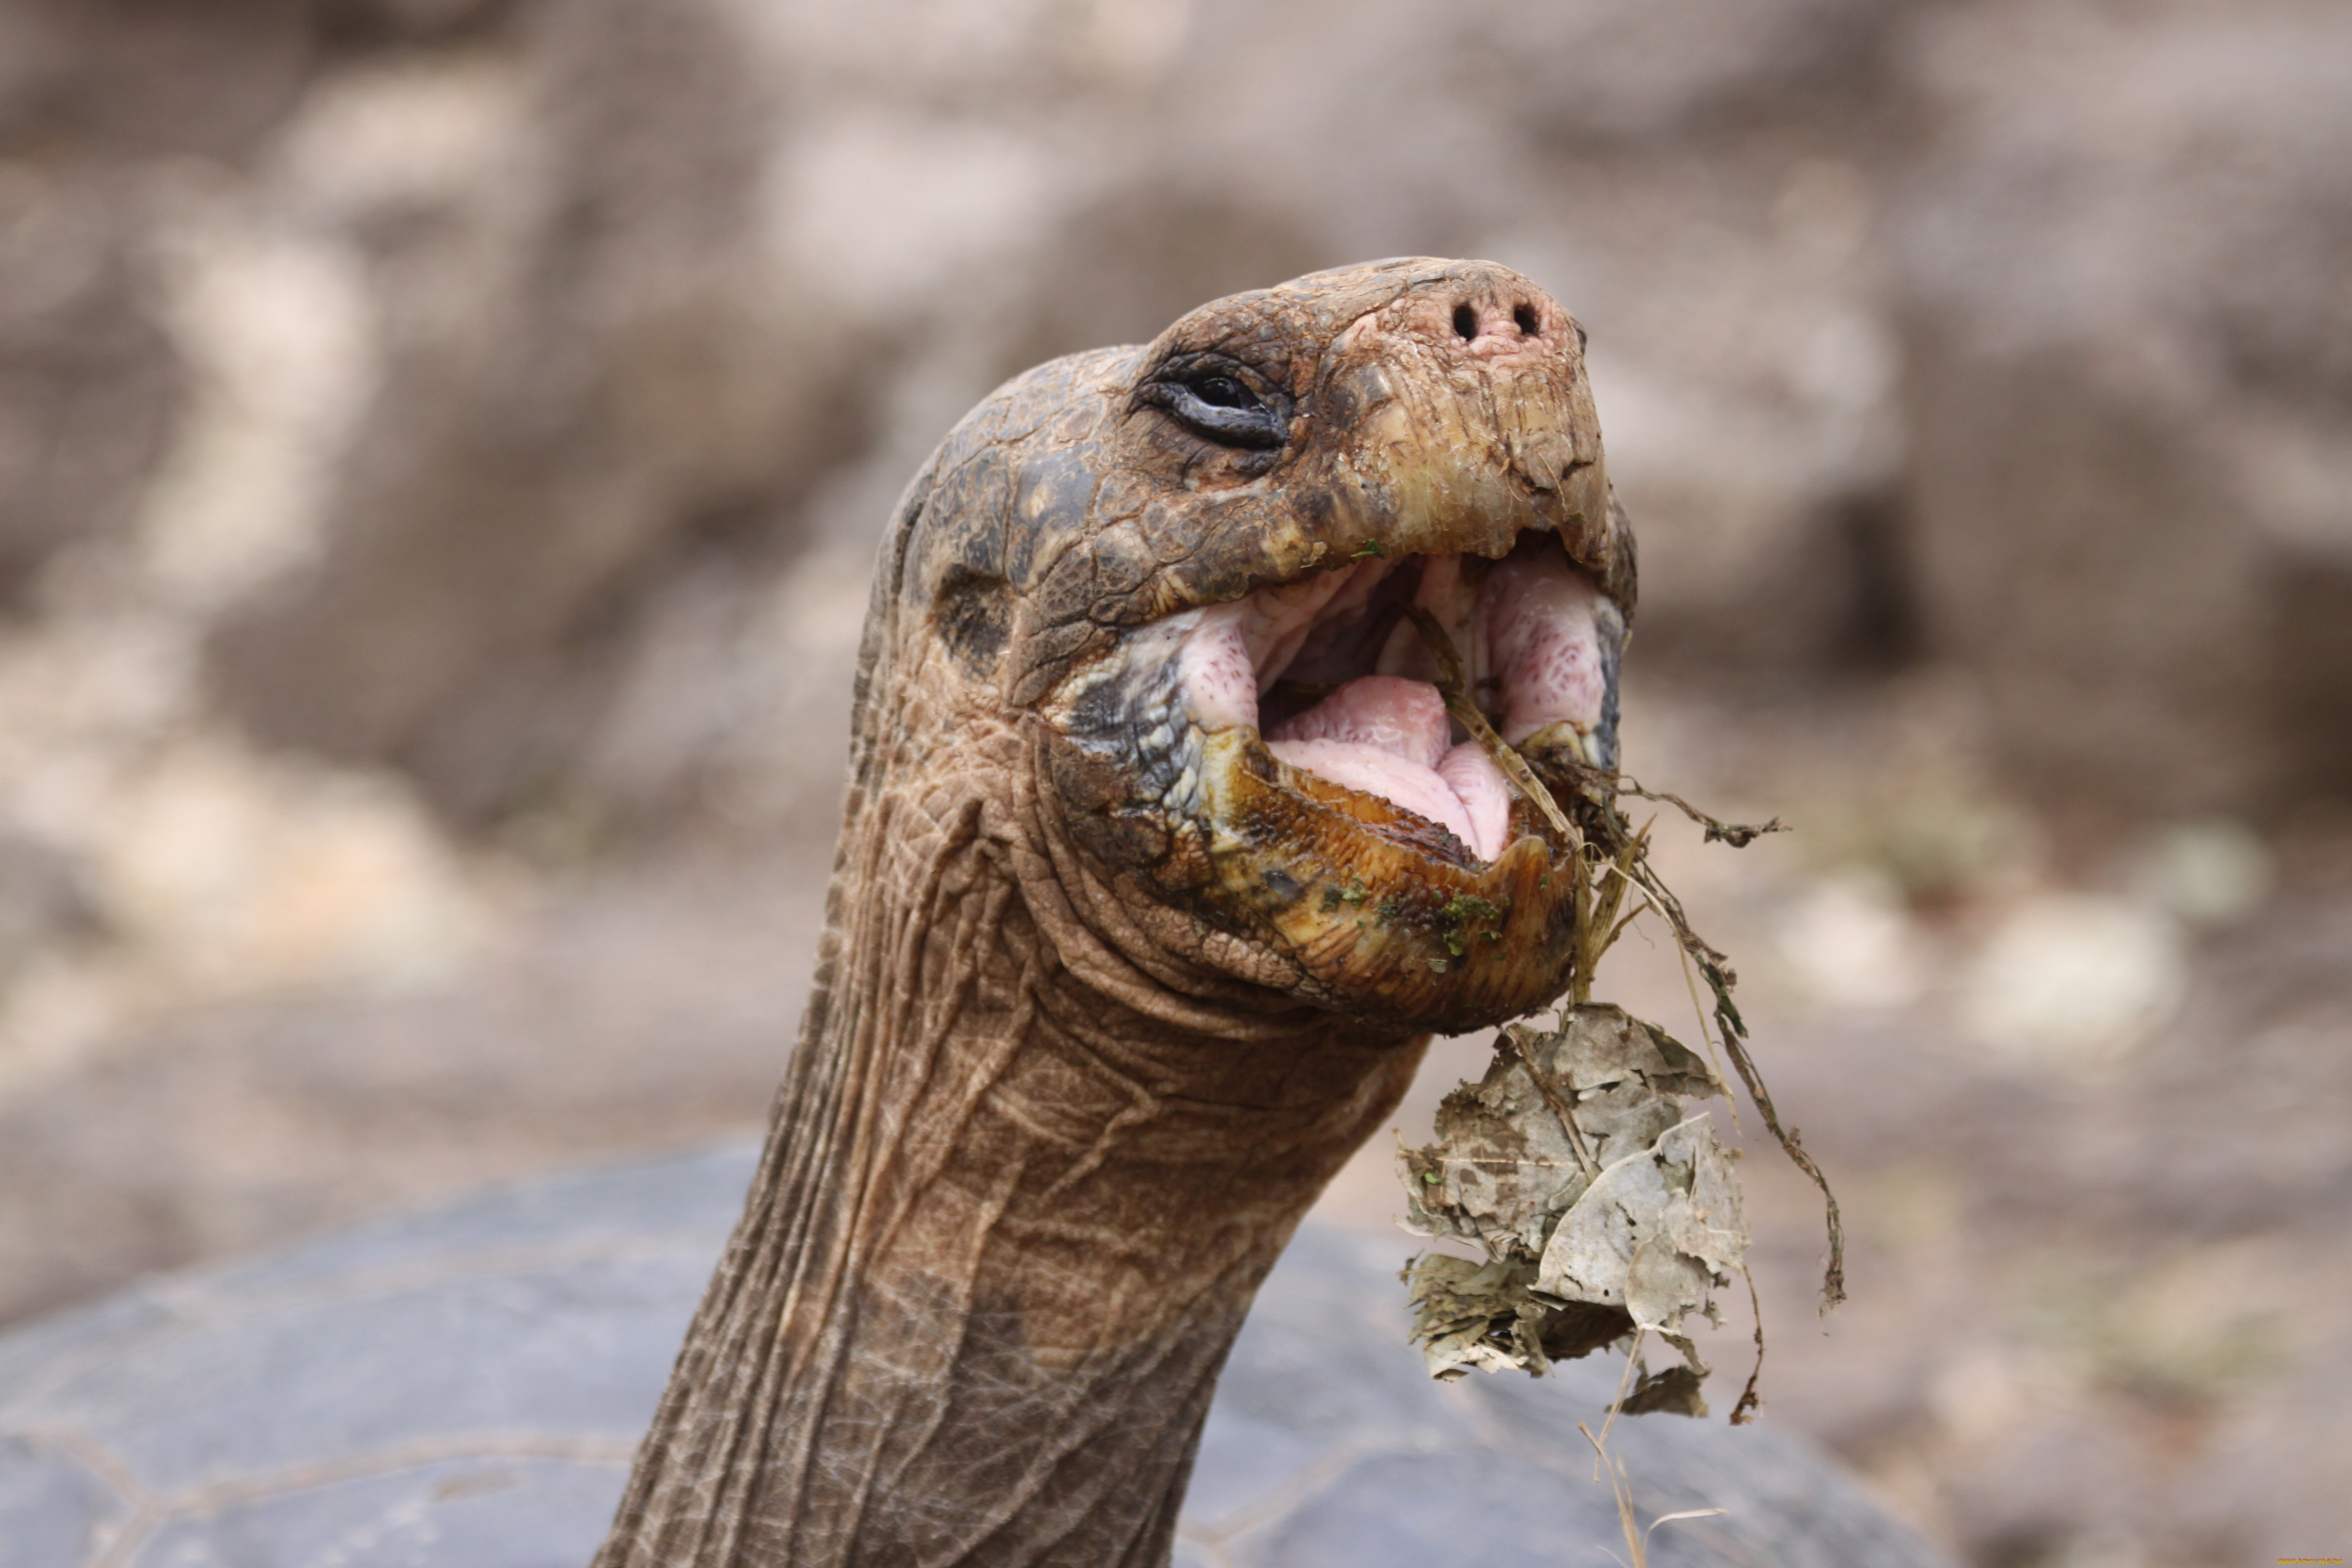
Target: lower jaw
[{"x": 1390, "y": 919}]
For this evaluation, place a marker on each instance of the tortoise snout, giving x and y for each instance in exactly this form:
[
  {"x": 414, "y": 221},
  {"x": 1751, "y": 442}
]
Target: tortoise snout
[
  {"x": 1492, "y": 314},
  {"x": 1486, "y": 328}
]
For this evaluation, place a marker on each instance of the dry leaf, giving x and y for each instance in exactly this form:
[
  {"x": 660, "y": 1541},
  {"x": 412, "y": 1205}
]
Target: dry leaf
[{"x": 1601, "y": 1203}]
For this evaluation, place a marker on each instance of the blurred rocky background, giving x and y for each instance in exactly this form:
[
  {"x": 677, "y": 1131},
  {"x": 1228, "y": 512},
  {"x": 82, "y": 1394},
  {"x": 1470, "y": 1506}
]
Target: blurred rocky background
[{"x": 442, "y": 443}]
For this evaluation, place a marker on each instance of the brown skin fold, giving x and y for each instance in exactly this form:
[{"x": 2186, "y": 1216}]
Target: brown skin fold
[{"x": 1082, "y": 1051}]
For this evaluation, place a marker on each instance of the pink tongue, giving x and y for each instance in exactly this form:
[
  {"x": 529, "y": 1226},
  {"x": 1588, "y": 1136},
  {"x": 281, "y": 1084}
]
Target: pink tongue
[
  {"x": 1404, "y": 718},
  {"x": 1387, "y": 736}
]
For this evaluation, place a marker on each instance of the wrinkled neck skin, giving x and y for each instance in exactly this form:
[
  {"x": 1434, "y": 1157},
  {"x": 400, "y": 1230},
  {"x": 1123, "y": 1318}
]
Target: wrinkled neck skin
[{"x": 1025, "y": 1176}]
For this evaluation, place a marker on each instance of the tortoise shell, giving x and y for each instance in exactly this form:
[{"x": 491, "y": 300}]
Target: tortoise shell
[{"x": 464, "y": 1388}]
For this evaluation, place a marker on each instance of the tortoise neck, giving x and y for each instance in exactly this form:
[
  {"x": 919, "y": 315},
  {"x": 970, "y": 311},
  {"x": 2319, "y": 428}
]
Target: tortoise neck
[{"x": 1005, "y": 1232}]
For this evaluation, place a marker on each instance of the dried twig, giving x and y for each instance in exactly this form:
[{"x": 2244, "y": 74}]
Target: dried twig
[
  {"x": 1637, "y": 1539},
  {"x": 1793, "y": 1143},
  {"x": 1738, "y": 835},
  {"x": 1624, "y": 1387},
  {"x": 1597, "y": 925},
  {"x": 1750, "y": 1398},
  {"x": 1698, "y": 1016},
  {"x": 1453, "y": 685},
  {"x": 1720, "y": 978}
]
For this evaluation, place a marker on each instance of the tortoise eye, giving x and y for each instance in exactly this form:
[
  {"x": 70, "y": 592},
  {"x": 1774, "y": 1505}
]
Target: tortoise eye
[
  {"x": 1219, "y": 408},
  {"x": 1225, "y": 392}
]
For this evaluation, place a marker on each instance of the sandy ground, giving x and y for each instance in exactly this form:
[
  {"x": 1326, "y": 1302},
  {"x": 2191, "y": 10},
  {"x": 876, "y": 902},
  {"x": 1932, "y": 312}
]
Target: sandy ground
[{"x": 2098, "y": 1259}]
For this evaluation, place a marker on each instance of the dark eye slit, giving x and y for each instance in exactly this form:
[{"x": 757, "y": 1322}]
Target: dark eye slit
[
  {"x": 1225, "y": 392},
  {"x": 1220, "y": 406}
]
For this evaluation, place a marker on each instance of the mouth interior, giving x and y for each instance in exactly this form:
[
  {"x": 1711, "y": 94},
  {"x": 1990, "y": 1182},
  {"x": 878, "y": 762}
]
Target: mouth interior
[{"x": 1341, "y": 686}]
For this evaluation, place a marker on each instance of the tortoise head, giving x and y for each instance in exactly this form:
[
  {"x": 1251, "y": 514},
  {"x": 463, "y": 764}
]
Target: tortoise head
[{"x": 1200, "y": 577}]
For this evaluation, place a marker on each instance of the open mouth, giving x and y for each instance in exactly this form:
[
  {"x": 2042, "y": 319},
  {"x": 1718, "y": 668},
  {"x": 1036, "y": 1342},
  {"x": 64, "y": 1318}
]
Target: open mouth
[
  {"x": 1332, "y": 672},
  {"x": 1291, "y": 760}
]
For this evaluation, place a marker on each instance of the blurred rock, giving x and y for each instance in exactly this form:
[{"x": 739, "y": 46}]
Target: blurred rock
[
  {"x": 87, "y": 379},
  {"x": 2073, "y": 982},
  {"x": 44, "y": 898},
  {"x": 175, "y": 77},
  {"x": 2122, "y": 252},
  {"x": 265, "y": 876},
  {"x": 2210, "y": 872},
  {"x": 1854, "y": 944},
  {"x": 589, "y": 376},
  {"x": 645, "y": 1010}
]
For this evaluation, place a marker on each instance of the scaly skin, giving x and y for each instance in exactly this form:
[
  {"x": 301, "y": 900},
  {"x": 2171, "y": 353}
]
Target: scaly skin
[{"x": 1092, "y": 1023}]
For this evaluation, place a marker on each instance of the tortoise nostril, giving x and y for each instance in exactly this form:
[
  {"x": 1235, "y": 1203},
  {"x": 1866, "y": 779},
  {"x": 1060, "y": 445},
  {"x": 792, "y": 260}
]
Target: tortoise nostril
[
  {"x": 1525, "y": 315},
  {"x": 1466, "y": 322}
]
